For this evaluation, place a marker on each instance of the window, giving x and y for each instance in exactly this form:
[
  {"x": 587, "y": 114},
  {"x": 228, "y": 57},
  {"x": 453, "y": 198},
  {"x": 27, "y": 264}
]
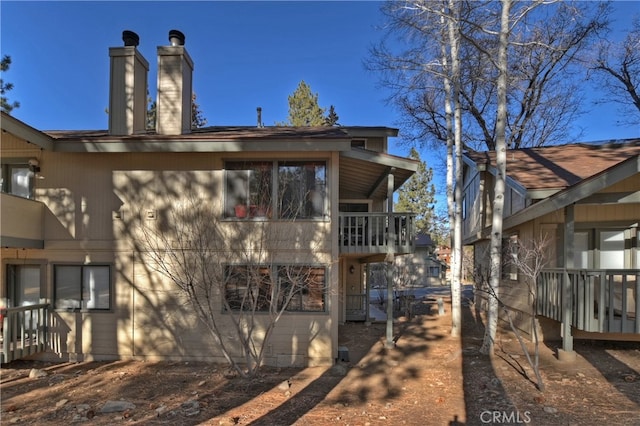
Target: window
[
  {"x": 23, "y": 284},
  {"x": 301, "y": 190},
  {"x": 17, "y": 179},
  {"x": 82, "y": 287},
  {"x": 359, "y": 143},
  {"x": 251, "y": 288},
  {"x": 510, "y": 248},
  {"x": 434, "y": 271},
  {"x": 248, "y": 189},
  {"x": 304, "y": 285},
  {"x": 612, "y": 249},
  {"x": 637, "y": 265},
  {"x": 605, "y": 248},
  {"x": 300, "y": 185},
  {"x": 248, "y": 288},
  {"x": 464, "y": 207}
]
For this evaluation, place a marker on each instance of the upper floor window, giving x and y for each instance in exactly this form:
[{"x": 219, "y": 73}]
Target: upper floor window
[
  {"x": 82, "y": 286},
  {"x": 17, "y": 179},
  {"x": 248, "y": 189},
  {"x": 299, "y": 188}
]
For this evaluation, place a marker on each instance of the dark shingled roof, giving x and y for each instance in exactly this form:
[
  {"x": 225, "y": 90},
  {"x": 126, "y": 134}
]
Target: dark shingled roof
[{"x": 216, "y": 133}]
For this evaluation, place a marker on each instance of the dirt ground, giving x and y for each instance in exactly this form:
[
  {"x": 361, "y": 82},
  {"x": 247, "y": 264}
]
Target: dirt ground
[{"x": 428, "y": 378}]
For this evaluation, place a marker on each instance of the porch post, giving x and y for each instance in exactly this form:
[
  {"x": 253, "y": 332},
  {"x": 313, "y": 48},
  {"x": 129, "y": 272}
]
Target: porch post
[
  {"x": 391, "y": 239},
  {"x": 367, "y": 318},
  {"x": 567, "y": 353}
]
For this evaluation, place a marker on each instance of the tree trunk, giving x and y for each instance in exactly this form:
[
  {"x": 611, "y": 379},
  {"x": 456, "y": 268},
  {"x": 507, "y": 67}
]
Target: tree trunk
[
  {"x": 456, "y": 272},
  {"x": 499, "y": 189}
]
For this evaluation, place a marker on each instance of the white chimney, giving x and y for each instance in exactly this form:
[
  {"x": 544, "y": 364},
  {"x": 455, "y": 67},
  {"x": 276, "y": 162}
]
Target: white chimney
[
  {"x": 175, "y": 70},
  {"x": 128, "y": 87}
]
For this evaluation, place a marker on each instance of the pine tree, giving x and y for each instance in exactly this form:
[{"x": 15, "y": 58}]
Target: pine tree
[
  {"x": 418, "y": 195},
  {"x": 304, "y": 110},
  {"x": 5, "y": 104},
  {"x": 197, "y": 117},
  {"x": 332, "y": 118},
  {"x": 151, "y": 112}
]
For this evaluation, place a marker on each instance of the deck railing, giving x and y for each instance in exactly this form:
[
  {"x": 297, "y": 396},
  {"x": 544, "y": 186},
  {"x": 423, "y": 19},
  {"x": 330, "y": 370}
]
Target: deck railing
[
  {"x": 597, "y": 300},
  {"x": 24, "y": 331},
  {"x": 369, "y": 233}
]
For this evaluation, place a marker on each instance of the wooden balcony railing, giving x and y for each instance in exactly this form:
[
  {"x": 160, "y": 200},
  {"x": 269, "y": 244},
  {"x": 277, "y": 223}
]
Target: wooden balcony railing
[
  {"x": 24, "y": 331},
  {"x": 603, "y": 301},
  {"x": 370, "y": 233}
]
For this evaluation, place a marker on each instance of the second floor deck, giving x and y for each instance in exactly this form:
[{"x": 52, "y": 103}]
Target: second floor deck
[
  {"x": 359, "y": 233},
  {"x": 376, "y": 233}
]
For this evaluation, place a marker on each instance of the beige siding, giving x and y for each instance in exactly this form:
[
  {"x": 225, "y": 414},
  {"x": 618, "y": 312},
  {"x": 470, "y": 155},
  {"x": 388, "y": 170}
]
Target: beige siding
[
  {"x": 607, "y": 213},
  {"x": 13, "y": 147},
  {"x": 93, "y": 203},
  {"x": 21, "y": 218},
  {"x": 377, "y": 144}
]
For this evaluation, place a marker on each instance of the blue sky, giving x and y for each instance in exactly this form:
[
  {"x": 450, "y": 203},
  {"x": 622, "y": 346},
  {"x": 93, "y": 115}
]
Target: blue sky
[{"x": 246, "y": 54}]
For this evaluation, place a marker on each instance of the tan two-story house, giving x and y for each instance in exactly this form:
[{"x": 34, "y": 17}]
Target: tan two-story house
[{"x": 79, "y": 279}]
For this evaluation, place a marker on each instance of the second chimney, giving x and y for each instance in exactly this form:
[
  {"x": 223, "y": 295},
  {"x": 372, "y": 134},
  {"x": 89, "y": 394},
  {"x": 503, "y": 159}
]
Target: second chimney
[{"x": 175, "y": 71}]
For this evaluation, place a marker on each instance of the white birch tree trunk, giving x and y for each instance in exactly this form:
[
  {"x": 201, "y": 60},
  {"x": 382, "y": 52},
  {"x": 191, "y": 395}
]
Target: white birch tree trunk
[
  {"x": 456, "y": 272},
  {"x": 499, "y": 188}
]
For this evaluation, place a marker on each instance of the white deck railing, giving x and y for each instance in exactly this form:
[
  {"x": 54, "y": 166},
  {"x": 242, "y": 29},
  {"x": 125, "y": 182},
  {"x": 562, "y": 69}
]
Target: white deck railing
[
  {"x": 24, "y": 331},
  {"x": 597, "y": 300},
  {"x": 369, "y": 233}
]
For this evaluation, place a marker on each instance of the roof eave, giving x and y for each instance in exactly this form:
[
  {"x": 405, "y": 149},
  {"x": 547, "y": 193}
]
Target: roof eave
[
  {"x": 191, "y": 145},
  {"x": 368, "y": 131},
  {"x": 22, "y": 130}
]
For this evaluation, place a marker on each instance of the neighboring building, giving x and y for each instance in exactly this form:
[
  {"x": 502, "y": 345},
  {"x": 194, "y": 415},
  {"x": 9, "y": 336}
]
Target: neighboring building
[
  {"x": 443, "y": 254},
  {"x": 72, "y": 267},
  {"x": 585, "y": 199},
  {"x": 423, "y": 268}
]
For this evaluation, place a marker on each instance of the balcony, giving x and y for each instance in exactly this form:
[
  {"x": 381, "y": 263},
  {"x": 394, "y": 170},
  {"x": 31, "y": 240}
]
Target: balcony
[
  {"x": 369, "y": 233},
  {"x": 21, "y": 222}
]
